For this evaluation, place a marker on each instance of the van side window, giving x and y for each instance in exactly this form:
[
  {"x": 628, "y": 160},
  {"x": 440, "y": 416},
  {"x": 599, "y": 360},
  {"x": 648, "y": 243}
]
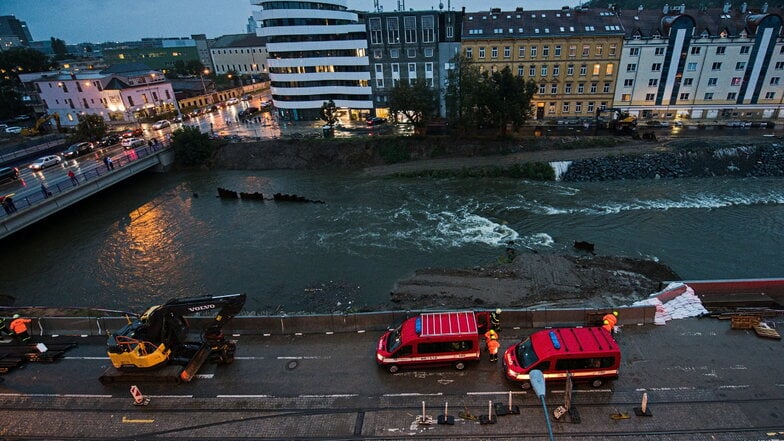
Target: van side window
[
  {"x": 445, "y": 346},
  {"x": 404, "y": 351},
  {"x": 572, "y": 364}
]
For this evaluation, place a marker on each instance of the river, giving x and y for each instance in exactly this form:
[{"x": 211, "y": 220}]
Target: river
[{"x": 161, "y": 236}]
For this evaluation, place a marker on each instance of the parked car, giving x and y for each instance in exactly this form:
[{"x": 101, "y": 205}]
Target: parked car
[
  {"x": 266, "y": 104},
  {"x": 158, "y": 125},
  {"x": 45, "y": 161},
  {"x": 78, "y": 149},
  {"x": 246, "y": 97},
  {"x": 132, "y": 143},
  {"x": 245, "y": 113},
  {"x": 376, "y": 120},
  {"x": 132, "y": 133},
  {"x": 232, "y": 101},
  {"x": 109, "y": 140},
  {"x": 13, "y": 130},
  {"x": 8, "y": 174}
]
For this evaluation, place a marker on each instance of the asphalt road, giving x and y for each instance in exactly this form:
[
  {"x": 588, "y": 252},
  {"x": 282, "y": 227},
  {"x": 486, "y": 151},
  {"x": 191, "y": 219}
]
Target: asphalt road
[{"x": 703, "y": 380}]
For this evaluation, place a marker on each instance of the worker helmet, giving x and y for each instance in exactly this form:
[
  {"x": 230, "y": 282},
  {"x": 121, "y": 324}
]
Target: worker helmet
[
  {"x": 498, "y": 310},
  {"x": 491, "y": 333},
  {"x": 16, "y": 316},
  {"x": 493, "y": 336},
  {"x": 606, "y": 322},
  {"x": 615, "y": 313}
]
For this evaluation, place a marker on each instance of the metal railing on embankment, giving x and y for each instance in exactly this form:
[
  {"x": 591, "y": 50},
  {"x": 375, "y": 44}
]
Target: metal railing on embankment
[{"x": 334, "y": 323}]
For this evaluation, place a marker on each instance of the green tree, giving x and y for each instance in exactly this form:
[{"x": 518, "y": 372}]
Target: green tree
[
  {"x": 191, "y": 147},
  {"x": 20, "y": 60},
  {"x": 90, "y": 128},
  {"x": 10, "y": 102},
  {"x": 59, "y": 49},
  {"x": 328, "y": 113},
  {"x": 462, "y": 92},
  {"x": 417, "y": 102},
  {"x": 510, "y": 99}
]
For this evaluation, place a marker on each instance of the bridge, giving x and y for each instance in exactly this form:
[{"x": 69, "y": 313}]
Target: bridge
[{"x": 33, "y": 206}]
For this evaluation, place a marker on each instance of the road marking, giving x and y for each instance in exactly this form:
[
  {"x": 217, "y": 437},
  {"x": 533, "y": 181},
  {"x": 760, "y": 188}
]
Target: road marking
[
  {"x": 57, "y": 395},
  {"x": 583, "y": 391},
  {"x": 314, "y": 357},
  {"x": 665, "y": 388},
  {"x": 497, "y": 393},
  {"x": 413, "y": 394},
  {"x": 735, "y": 386},
  {"x": 249, "y": 358},
  {"x": 329, "y": 396},
  {"x": 205, "y": 376},
  {"x": 170, "y": 396},
  {"x": 128, "y": 420},
  {"x": 243, "y": 396},
  {"x": 85, "y": 358}
]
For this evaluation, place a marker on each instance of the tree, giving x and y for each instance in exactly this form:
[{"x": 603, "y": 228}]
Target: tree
[
  {"x": 416, "y": 102},
  {"x": 20, "y": 60},
  {"x": 511, "y": 99},
  {"x": 461, "y": 97},
  {"x": 191, "y": 147},
  {"x": 59, "y": 49},
  {"x": 328, "y": 113},
  {"x": 90, "y": 128}
]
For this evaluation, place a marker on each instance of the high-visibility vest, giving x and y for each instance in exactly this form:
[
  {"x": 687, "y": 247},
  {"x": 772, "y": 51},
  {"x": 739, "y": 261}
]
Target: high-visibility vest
[
  {"x": 611, "y": 319},
  {"x": 492, "y": 346},
  {"x": 19, "y": 325}
]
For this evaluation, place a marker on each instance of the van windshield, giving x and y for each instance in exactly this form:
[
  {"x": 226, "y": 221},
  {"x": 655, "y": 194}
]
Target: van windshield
[
  {"x": 526, "y": 356},
  {"x": 394, "y": 341}
]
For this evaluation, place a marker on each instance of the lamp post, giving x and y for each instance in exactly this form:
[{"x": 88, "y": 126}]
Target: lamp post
[
  {"x": 537, "y": 381},
  {"x": 204, "y": 86}
]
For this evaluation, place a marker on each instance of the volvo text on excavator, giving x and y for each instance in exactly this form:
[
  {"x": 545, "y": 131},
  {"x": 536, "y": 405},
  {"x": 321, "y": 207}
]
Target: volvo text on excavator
[{"x": 156, "y": 345}]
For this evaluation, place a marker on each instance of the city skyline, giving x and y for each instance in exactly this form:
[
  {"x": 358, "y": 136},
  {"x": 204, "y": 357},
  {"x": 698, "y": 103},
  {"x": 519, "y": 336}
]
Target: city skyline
[{"x": 106, "y": 21}]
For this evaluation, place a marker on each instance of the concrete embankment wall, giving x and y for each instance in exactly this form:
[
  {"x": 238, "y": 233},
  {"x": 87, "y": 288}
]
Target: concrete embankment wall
[{"x": 341, "y": 323}]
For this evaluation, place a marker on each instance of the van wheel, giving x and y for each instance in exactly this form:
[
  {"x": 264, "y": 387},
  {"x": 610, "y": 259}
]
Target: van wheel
[
  {"x": 597, "y": 382},
  {"x": 393, "y": 368},
  {"x": 459, "y": 365}
]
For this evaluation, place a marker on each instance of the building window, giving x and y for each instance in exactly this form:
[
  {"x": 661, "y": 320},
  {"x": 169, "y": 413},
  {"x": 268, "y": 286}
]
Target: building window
[
  {"x": 716, "y": 66},
  {"x": 494, "y": 52},
  {"x": 429, "y": 52},
  {"x": 596, "y": 68},
  {"x": 578, "y": 107},
  {"x": 626, "y": 97},
  {"x": 565, "y": 107},
  {"x": 720, "y": 50},
  {"x": 593, "y": 88},
  {"x": 688, "y": 81},
  {"x": 708, "y": 96},
  {"x": 740, "y": 65},
  {"x": 656, "y": 67},
  {"x": 649, "y": 96},
  {"x": 586, "y": 50},
  {"x": 609, "y": 69},
  {"x": 450, "y": 32},
  {"x": 556, "y": 70},
  {"x": 628, "y": 83},
  {"x": 745, "y": 49},
  {"x": 631, "y": 67},
  {"x": 545, "y": 51},
  {"x": 544, "y": 70},
  {"x": 774, "y": 81},
  {"x": 568, "y": 89},
  {"x": 653, "y": 82},
  {"x": 395, "y": 69},
  {"x": 379, "y": 69},
  {"x": 590, "y": 107},
  {"x": 613, "y": 49},
  {"x": 380, "y": 83},
  {"x": 570, "y": 70},
  {"x": 411, "y": 53},
  {"x": 583, "y": 70},
  {"x": 533, "y": 51},
  {"x": 659, "y": 51},
  {"x": 634, "y": 51},
  {"x": 770, "y": 95},
  {"x": 551, "y": 109},
  {"x": 695, "y": 50},
  {"x": 507, "y": 52},
  {"x": 412, "y": 70},
  {"x": 469, "y": 52},
  {"x": 481, "y": 53},
  {"x": 712, "y": 81},
  {"x": 691, "y": 67},
  {"x": 683, "y": 96},
  {"x": 521, "y": 52},
  {"x": 428, "y": 29},
  {"x": 541, "y": 89},
  {"x": 394, "y": 53},
  {"x": 375, "y": 31},
  {"x": 409, "y": 26},
  {"x": 780, "y": 64},
  {"x": 599, "y": 50},
  {"x": 519, "y": 71},
  {"x": 532, "y": 70},
  {"x": 557, "y": 51},
  {"x": 606, "y": 88},
  {"x": 393, "y": 30},
  {"x": 572, "y": 50},
  {"x": 732, "y": 95},
  {"x": 581, "y": 88},
  {"x": 553, "y": 89},
  {"x": 735, "y": 81}
]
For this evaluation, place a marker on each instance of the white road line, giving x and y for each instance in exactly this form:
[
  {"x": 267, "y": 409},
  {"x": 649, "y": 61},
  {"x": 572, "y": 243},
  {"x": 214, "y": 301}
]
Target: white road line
[
  {"x": 329, "y": 396},
  {"x": 85, "y": 358},
  {"x": 314, "y": 357},
  {"x": 584, "y": 391},
  {"x": 170, "y": 396},
  {"x": 249, "y": 358},
  {"x": 206, "y": 376},
  {"x": 413, "y": 394},
  {"x": 497, "y": 393},
  {"x": 243, "y": 396},
  {"x": 735, "y": 386},
  {"x": 664, "y": 389},
  {"x": 57, "y": 395}
]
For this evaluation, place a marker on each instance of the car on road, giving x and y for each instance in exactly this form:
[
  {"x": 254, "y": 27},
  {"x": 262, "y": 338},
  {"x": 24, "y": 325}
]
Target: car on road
[
  {"x": 45, "y": 161},
  {"x": 158, "y": 125},
  {"x": 232, "y": 101},
  {"x": 8, "y": 174},
  {"x": 245, "y": 113},
  {"x": 109, "y": 140},
  {"x": 131, "y": 133},
  {"x": 13, "y": 130},
  {"x": 247, "y": 97},
  {"x": 132, "y": 143},
  {"x": 376, "y": 120},
  {"x": 78, "y": 149}
]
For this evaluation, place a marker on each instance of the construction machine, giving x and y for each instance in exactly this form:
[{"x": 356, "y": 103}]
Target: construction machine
[
  {"x": 157, "y": 346},
  {"x": 619, "y": 121},
  {"x": 35, "y": 130}
]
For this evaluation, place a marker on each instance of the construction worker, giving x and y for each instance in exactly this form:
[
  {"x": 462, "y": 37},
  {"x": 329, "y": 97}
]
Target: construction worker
[
  {"x": 609, "y": 321},
  {"x": 495, "y": 320},
  {"x": 489, "y": 335},
  {"x": 492, "y": 347},
  {"x": 19, "y": 328}
]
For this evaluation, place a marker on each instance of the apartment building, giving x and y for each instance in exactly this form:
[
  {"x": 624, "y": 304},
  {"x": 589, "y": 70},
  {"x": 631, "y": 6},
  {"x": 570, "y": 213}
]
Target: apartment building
[
  {"x": 316, "y": 52},
  {"x": 408, "y": 46},
  {"x": 119, "y": 93},
  {"x": 720, "y": 63},
  {"x": 244, "y": 54},
  {"x": 571, "y": 54}
]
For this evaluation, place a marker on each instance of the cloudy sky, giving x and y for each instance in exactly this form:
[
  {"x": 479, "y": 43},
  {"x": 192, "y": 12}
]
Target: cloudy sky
[{"x": 77, "y": 21}]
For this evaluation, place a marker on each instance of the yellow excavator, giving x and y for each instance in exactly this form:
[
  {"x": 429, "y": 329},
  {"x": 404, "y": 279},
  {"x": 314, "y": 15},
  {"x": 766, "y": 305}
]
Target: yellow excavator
[{"x": 36, "y": 130}]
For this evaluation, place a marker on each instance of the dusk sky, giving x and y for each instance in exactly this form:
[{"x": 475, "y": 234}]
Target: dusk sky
[{"x": 112, "y": 20}]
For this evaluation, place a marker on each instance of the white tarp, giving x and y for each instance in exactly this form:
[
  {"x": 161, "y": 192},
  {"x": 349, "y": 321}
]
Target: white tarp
[{"x": 676, "y": 301}]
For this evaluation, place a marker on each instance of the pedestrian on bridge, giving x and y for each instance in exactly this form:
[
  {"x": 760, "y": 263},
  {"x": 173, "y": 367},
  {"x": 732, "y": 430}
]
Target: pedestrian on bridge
[
  {"x": 74, "y": 179},
  {"x": 19, "y": 328}
]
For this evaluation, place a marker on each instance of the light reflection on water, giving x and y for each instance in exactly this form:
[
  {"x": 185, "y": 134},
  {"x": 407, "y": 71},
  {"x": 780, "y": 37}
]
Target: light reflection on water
[{"x": 165, "y": 236}]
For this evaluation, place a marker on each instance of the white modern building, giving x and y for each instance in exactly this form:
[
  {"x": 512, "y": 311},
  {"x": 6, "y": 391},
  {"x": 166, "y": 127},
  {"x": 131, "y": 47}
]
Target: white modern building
[
  {"x": 724, "y": 63},
  {"x": 317, "y": 51},
  {"x": 119, "y": 93}
]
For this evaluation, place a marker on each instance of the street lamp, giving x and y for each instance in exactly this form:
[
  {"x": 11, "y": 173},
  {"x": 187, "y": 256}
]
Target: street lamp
[
  {"x": 203, "y": 86},
  {"x": 537, "y": 381}
]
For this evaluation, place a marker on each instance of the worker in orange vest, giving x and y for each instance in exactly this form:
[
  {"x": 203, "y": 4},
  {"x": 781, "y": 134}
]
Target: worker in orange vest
[
  {"x": 609, "y": 321},
  {"x": 19, "y": 327},
  {"x": 490, "y": 335},
  {"x": 492, "y": 347}
]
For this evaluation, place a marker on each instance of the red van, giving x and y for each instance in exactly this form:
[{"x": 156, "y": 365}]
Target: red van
[
  {"x": 432, "y": 339},
  {"x": 589, "y": 354}
]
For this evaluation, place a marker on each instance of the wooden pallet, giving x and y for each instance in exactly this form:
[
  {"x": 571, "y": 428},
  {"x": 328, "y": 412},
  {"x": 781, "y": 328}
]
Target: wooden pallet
[
  {"x": 764, "y": 331},
  {"x": 744, "y": 321}
]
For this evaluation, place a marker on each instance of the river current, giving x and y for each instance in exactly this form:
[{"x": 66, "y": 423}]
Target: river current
[{"x": 161, "y": 236}]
